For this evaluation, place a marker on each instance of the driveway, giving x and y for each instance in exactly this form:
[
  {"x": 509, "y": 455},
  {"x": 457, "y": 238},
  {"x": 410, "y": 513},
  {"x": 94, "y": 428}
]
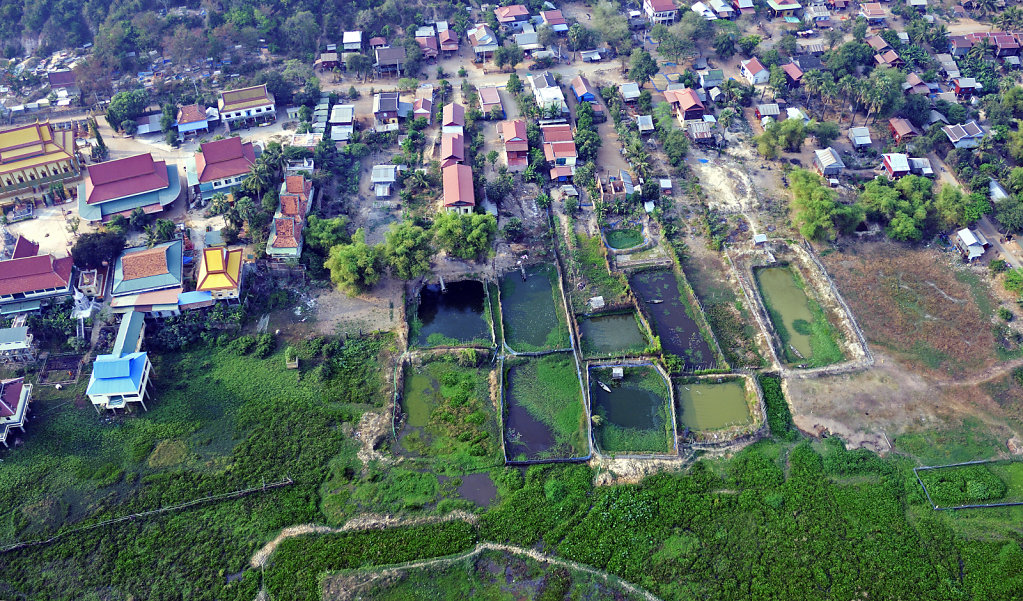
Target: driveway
[{"x": 995, "y": 238}]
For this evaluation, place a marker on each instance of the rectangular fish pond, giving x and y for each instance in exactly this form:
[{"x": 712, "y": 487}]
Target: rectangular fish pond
[
  {"x": 807, "y": 337},
  {"x": 713, "y": 403},
  {"x": 448, "y": 413},
  {"x": 533, "y": 311},
  {"x": 458, "y": 315},
  {"x": 635, "y": 416},
  {"x": 659, "y": 293},
  {"x": 544, "y": 415},
  {"x": 612, "y": 334}
]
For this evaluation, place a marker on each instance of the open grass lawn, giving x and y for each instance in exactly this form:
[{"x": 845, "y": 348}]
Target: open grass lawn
[{"x": 913, "y": 303}]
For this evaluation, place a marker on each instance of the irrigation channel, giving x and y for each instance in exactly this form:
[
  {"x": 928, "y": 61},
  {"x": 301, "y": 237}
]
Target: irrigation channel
[{"x": 660, "y": 295}]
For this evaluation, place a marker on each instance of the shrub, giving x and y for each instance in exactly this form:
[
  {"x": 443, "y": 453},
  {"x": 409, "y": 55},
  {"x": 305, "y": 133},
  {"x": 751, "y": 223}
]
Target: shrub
[
  {"x": 243, "y": 345},
  {"x": 265, "y": 345}
]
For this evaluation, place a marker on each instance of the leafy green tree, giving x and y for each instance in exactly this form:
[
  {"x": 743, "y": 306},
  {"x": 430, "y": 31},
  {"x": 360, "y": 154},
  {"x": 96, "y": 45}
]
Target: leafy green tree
[
  {"x": 93, "y": 249},
  {"x": 641, "y": 65},
  {"x": 724, "y": 44},
  {"x": 408, "y": 250},
  {"x": 465, "y": 236},
  {"x": 815, "y": 211},
  {"x": 777, "y": 80},
  {"x": 165, "y": 230},
  {"x": 907, "y": 205},
  {"x": 514, "y": 84},
  {"x": 355, "y": 267},
  {"x": 748, "y": 44},
  {"x": 1014, "y": 281},
  {"x": 129, "y": 126},
  {"x": 825, "y": 132},
  {"x": 126, "y": 106},
  {"x": 323, "y": 234}
]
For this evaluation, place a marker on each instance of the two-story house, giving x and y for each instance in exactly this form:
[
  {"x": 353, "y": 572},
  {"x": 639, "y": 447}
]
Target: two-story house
[
  {"x": 28, "y": 280},
  {"x": 516, "y": 144},
  {"x": 660, "y": 11},
  {"x": 247, "y": 106}
]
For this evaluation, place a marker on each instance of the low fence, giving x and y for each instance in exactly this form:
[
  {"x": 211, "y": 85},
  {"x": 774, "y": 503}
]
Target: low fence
[
  {"x": 738, "y": 435},
  {"x": 144, "y": 514}
]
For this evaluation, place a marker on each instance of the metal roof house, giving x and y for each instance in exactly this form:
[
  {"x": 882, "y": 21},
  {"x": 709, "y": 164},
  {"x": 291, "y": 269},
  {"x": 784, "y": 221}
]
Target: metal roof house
[
  {"x": 967, "y": 135},
  {"x": 220, "y": 272},
  {"x": 971, "y": 243},
  {"x": 120, "y": 186},
  {"x": 118, "y": 380},
  {"x": 827, "y": 162},
  {"x": 15, "y": 345},
  {"x": 860, "y": 137},
  {"x": 29, "y": 279}
]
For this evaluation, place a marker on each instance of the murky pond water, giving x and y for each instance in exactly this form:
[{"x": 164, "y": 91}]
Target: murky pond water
[
  {"x": 478, "y": 488},
  {"x": 456, "y": 314},
  {"x": 531, "y": 318},
  {"x": 544, "y": 414},
  {"x": 679, "y": 333},
  {"x": 788, "y": 303},
  {"x": 712, "y": 405},
  {"x": 634, "y": 416},
  {"x": 611, "y": 334}
]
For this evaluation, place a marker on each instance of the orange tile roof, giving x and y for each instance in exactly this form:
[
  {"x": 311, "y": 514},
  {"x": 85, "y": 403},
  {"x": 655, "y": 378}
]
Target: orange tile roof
[{"x": 144, "y": 263}]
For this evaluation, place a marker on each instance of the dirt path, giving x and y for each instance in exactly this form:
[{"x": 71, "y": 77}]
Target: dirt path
[
  {"x": 991, "y": 373},
  {"x": 361, "y": 522},
  {"x": 533, "y": 554}
]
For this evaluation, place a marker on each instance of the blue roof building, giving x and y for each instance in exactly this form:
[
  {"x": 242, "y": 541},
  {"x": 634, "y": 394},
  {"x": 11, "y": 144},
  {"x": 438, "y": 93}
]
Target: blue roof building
[{"x": 117, "y": 380}]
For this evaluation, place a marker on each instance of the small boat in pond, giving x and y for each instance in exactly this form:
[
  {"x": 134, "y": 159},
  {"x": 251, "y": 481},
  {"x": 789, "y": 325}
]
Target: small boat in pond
[{"x": 604, "y": 386}]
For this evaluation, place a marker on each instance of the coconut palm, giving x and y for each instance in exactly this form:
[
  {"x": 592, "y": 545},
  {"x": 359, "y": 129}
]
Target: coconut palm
[
  {"x": 258, "y": 180},
  {"x": 274, "y": 159}
]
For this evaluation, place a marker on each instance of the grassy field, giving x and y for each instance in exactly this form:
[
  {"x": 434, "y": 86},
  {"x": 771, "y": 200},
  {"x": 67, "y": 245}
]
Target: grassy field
[
  {"x": 588, "y": 261},
  {"x": 913, "y": 303},
  {"x": 548, "y": 388}
]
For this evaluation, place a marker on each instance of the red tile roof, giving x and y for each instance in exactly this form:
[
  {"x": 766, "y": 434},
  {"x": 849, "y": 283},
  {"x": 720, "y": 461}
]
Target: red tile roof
[
  {"x": 792, "y": 70},
  {"x": 686, "y": 98},
  {"x": 224, "y": 158},
  {"x": 507, "y": 14},
  {"x": 452, "y": 149},
  {"x": 448, "y": 40},
  {"x": 298, "y": 184},
  {"x": 458, "y": 189},
  {"x": 557, "y": 133},
  {"x": 10, "y": 396},
  {"x": 191, "y": 113},
  {"x": 285, "y": 229},
  {"x": 754, "y": 66},
  {"x": 558, "y": 150},
  {"x": 514, "y": 134},
  {"x": 660, "y": 6},
  {"x": 454, "y": 114},
  {"x": 124, "y": 177},
  {"x": 29, "y": 274},
  {"x": 23, "y": 247},
  {"x": 553, "y": 17}
]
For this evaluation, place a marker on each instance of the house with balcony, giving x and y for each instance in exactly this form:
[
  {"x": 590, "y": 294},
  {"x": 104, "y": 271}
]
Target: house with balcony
[
  {"x": 149, "y": 280},
  {"x": 685, "y": 104},
  {"x": 220, "y": 166},
  {"x": 660, "y": 11},
  {"x": 36, "y": 155},
  {"x": 15, "y": 396},
  {"x": 220, "y": 272},
  {"x": 28, "y": 280},
  {"x": 874, "y": 13},
  {"x": 117, "y": 381},
  {"x": 390, "y": 60},
  {"x": 516, "y": 144},
  {"x": 120, "y": 186},
  {"x": 459, "y": 195},
  {"x": 16, "y": 345},
  {"x": 548, "y": 94},
  {"x": 560, "y": 151},
  {"x": 247, "y": 106}
]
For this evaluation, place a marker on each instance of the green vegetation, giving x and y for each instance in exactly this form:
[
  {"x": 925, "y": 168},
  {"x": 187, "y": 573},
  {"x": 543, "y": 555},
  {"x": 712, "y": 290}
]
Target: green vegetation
[
  {"x": 971, "y": 484},
  {"x": 296, "y": 566},
  {"x": 817, "y": 213},
  {"x": 484, "y": 576},
  {"x": 533, "y": 311},
  {"x": 821, "y": 335},
  {"x": 625, "y": 237},
  {"x": 970, "y": 440},
  {"x": 465, "y": 236},
  {"x": 449, "y": 414},
  {"x": 589, "y": 259},
  {"x": 779, "y": 417},
  {"x": 548, "y": 388}
]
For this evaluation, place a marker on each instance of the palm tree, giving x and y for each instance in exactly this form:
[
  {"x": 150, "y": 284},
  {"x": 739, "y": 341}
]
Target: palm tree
[
  {"x": 848, "y": 87},
  {"x": 274, "y": 159},
  {"x": 812, "y": 81},
  {"x": 258, "y": 180},
  {"x": 980, "y": 49},
  {"x": 828, "y": 91}
]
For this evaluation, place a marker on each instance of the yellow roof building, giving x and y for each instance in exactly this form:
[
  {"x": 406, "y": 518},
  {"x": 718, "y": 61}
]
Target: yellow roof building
[
  {"x": 221, "y": 270},
  {"x": 37, "y": 149}
]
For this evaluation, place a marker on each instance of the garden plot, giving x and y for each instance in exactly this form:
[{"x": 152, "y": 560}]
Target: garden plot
[
  {"x": 716, "y": 407},
  {"x": 458, "y": 315},
  {"x": 673, "y": 320},
  {"x": 612, "y": 334},
  {"x": 534, "y": 314},
  {"x": 448, "y": 413},
  {"x": 544, "y": 415},
  {"x": 635, "y": 417}
]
